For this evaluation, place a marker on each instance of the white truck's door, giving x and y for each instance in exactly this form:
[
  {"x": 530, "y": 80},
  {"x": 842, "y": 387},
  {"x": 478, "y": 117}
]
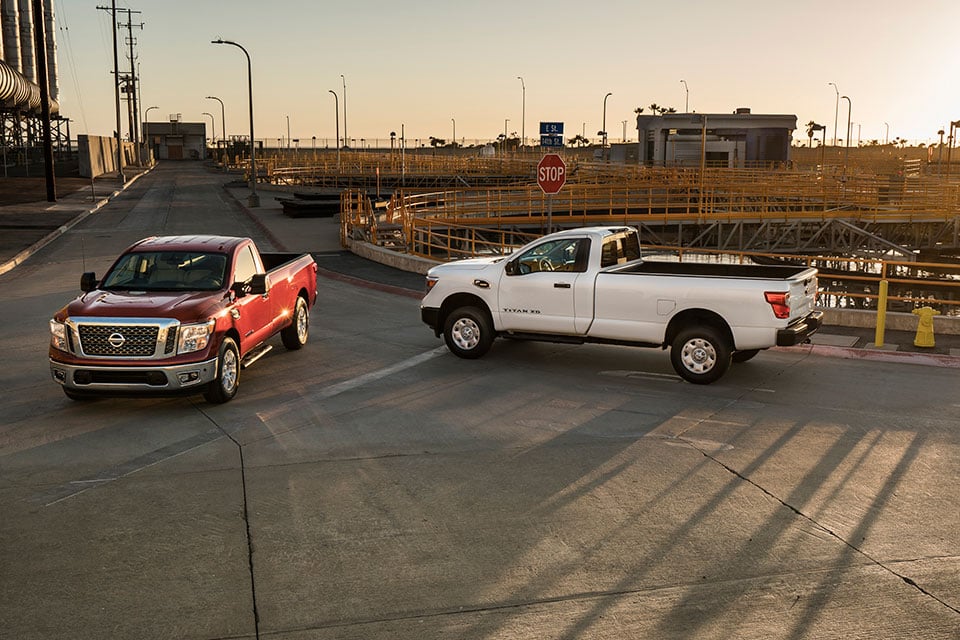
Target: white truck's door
[{"x": 537, "y": 291}]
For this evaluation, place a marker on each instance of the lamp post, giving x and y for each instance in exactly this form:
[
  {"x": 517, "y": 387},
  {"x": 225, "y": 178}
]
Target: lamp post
[
  {"x": 624, "y": 138},
  {"x": 846, "y": 151},
  {"x": 147, "y": 113},
  {"x": 213, "y": 126},
  {"x": 253, "y": 200},
  {"x": 523, "y": 113},
  {"x": 345, "y": 137},
  {"x": 604, "y": 132},
  {"x": 503, "y": 147},
  {"x": 288, "y": 132},
  {"x": 836, "y": 111},
  {"x": 686, "y": 107},
  {"x": 454, "y": 121},
  {"x": 886, "y": 136},
  {"x": 953, "y": 125},
  {"x": 940, "y": 155},
  {"x": 223, "y": 120},
  {"x": 336, "y": 116}
]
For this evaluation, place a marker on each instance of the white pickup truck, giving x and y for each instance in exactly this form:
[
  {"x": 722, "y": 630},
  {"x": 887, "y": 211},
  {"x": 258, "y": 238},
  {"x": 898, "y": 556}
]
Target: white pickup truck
[{"x": 591, "y": 285}]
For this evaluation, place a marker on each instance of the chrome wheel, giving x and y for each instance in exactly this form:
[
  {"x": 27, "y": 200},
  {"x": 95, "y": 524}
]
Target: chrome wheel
[{"x": 230, "y": 369}]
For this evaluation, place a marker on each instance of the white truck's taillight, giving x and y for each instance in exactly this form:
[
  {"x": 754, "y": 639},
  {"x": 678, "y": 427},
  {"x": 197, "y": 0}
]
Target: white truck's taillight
[{"x": 779, "y": 302}]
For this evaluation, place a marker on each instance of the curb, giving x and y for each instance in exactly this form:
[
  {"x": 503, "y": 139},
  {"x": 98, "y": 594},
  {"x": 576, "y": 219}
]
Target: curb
[
  {"x": 21, "y": 257},
  {"x": 877, "y": 355}
]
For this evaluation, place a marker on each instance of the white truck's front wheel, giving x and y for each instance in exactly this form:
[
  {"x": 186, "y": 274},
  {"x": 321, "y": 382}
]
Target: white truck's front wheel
[
  {"x": 700, "y": 355},
  {"x": 468, "y": 332}
]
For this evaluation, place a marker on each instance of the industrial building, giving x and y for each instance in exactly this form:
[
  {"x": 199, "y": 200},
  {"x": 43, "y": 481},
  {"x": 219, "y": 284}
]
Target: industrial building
[
  {"x": 176, "y": 140},
  {"x": 21, "y": 136},
  {"x": 735, "y": 140}
]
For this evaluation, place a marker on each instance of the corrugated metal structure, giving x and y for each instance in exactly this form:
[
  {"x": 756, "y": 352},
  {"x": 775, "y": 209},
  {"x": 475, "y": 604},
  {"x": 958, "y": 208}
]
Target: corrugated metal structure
[{"x": 20, "y": 106}]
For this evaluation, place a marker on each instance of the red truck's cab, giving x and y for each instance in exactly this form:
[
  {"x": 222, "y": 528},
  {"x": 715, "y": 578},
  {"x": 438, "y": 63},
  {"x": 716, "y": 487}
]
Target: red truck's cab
[{"x": 180, "y": 313}]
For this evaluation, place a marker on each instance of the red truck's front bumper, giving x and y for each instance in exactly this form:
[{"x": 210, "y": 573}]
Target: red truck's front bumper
[{"x": 84, "y": 378}]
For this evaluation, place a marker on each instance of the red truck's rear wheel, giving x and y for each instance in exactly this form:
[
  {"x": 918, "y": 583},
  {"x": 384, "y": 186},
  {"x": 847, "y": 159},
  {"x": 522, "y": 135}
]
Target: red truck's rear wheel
[
  {"x": 225, "y": 385},
  {"x": 295, "y": 336}
]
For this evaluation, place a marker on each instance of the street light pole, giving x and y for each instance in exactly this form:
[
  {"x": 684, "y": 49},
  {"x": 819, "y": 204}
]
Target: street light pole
[
  {"x": 288, "y": 132},
  {"x": 454, "y": 121},
  {"x": 886, "y": 136},
  {"x": 523, "y": 113},
  {"x": 213, "y": 126},
  {"x": 223, "y": 120},
  {"x": 146, "y": 114},
  {"x": 604, "y": 141},
  {"x": 846, "y": 151},
  {"x": 253, "y": 200},
  {"x": 686, "y": 108},
  {"x": 336, "y": 116},
  {"x": 836, "y": 111},
  {"x": 345, "y": 137}
]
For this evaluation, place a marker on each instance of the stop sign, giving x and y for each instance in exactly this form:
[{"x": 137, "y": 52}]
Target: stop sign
[{"x": 551, "y": 173}]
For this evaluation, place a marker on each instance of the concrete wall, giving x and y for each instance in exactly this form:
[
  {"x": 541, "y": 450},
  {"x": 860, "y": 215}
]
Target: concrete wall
[
  {"x": 896, "y": 321},
  {"x": 98, "y": 155}
]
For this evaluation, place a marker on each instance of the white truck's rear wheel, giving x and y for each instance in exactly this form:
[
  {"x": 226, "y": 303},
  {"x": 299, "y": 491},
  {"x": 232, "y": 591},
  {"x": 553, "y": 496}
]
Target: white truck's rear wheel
[{"x": 700, "y": 355}]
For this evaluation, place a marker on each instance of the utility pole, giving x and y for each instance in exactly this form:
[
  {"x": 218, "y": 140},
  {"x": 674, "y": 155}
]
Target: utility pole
[
  {"x": 42, "y": 79},
  {"x": 132, "y": 85},
  {"x": 116, "y": 85}
]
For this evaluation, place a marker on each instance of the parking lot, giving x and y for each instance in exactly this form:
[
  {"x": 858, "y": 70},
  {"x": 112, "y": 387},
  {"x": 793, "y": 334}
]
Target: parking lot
[{"x": 372, "y": 485}]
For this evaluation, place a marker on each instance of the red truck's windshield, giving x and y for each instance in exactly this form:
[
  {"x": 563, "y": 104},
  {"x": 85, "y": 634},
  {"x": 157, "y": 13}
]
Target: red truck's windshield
[{"x": 167, "y": 271}]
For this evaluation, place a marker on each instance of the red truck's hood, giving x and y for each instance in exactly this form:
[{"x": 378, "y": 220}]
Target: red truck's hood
[{"x": 184, "y": 306}]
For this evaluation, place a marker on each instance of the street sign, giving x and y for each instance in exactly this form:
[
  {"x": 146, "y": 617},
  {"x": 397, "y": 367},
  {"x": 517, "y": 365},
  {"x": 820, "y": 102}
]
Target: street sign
[
  {"x": 551, "y": 128},
  {"x": 551, "y": 173},
  {"x": 551, "y": 141}
]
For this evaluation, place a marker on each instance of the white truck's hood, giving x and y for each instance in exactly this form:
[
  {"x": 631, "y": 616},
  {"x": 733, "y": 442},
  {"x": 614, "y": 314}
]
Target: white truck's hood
[{"x": 471, "y": 264}]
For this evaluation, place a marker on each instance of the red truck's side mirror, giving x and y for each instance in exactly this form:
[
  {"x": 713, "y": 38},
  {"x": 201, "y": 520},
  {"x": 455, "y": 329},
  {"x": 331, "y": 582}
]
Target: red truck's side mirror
[
  {"x": 256, "y": 286},
  {"x": 88, "y": 281}
]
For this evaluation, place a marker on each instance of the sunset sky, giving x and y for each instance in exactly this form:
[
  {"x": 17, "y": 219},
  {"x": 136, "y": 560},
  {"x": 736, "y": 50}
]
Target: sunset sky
[{"x": 427, "y": 63}]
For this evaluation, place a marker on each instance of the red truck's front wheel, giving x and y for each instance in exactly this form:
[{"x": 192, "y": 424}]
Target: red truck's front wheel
[{"x": 225, "y": 385}]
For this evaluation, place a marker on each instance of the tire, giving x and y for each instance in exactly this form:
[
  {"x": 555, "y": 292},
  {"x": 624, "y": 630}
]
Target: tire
[
  {"x": 224, "y": 386},
  {"x": 468, "y": 332},
  {"x": 700, "y": 355},
  {"x": 743, "y": 356},
  {"x": 295, "y": 336}
]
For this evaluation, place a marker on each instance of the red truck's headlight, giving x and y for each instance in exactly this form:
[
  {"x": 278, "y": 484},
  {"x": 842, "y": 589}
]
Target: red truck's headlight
[
  {"x": 194, "y": 337},
  {"x": 58, "y": 335}
]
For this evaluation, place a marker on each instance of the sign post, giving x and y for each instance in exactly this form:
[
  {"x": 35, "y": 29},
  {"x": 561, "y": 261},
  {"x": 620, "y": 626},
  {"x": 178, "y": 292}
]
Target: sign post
[{"x": 551, "y": 176}]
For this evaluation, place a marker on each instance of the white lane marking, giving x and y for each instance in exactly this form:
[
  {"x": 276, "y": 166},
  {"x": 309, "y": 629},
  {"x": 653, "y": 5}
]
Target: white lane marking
[{"x": 359, "y": 381}]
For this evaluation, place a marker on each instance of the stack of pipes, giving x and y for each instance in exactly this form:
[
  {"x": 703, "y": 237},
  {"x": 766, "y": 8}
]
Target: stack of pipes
[{"x": 18, "y": 73}]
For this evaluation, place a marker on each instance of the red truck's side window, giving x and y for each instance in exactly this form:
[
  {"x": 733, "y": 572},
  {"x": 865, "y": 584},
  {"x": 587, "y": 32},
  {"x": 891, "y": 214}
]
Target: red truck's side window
[{"x": 246, "y": 265}]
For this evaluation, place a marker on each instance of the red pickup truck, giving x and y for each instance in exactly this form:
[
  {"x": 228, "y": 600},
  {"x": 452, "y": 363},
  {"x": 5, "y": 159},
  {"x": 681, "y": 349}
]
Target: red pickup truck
[{"x": 180, "y": 314}]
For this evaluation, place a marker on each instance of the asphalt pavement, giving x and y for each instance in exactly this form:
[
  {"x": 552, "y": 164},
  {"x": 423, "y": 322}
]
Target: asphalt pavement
[{"x": 30, "y": 224}]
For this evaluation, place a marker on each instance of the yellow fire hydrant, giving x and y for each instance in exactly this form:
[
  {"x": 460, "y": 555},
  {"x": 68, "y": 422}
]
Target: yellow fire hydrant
[{"x": 924, "y": 337}]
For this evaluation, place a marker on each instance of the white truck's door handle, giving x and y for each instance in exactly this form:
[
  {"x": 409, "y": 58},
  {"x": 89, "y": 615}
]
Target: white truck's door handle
[{"x": 561, "y": 285}]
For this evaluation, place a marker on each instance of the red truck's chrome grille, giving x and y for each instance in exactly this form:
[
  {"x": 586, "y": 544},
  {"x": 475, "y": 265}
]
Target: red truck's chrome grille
[{"x": 129, "y": 341}]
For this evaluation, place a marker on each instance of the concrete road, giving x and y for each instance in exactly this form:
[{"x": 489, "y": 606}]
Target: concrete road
[{"x": 372, "y": 485}]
